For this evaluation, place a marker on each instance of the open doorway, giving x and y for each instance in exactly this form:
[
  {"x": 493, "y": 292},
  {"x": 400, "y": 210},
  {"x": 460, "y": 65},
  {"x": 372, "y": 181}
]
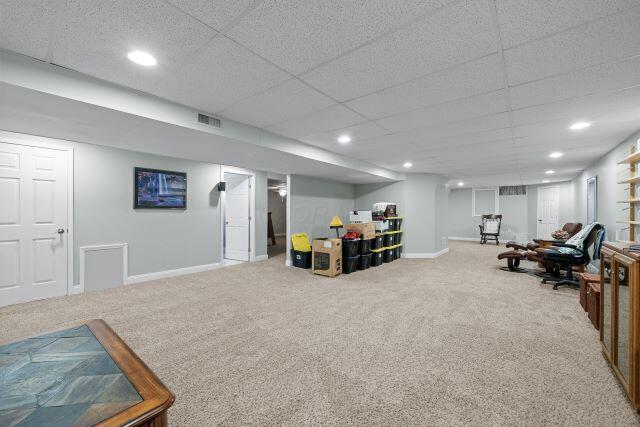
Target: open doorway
[{"x": 277, "y": 217}]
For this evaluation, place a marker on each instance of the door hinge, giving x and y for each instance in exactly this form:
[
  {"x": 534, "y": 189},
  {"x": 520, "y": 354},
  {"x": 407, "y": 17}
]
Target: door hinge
[{"x": 249, "y": 217}]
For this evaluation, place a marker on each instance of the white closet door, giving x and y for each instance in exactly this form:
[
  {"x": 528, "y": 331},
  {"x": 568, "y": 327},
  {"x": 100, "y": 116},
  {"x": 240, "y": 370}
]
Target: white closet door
[
  {"x": 33, "y": 223},
  {"x": 236, "y": 210},
  {"x": 548, "y": 211}
]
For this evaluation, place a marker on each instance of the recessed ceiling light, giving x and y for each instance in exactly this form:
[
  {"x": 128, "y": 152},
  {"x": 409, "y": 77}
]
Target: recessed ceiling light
[
  {"x": 344, "y": 139},
  {"x": 555, "y": 155},
  {"x": 549, "y": 172},
  {"x": 142, "y": 58},
  {"x": 579, "y": 125},
  {"x": 460, "y": 184},
  {"x": 407, "y": 164},
  {"x": 545, "y": 181}
]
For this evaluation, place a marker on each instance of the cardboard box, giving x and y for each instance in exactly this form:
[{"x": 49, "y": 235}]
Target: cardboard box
[
  {"x": 368, "y": 230},
  {"x": 359, "y": 217},
  {"x": 327, "y": 257},
  {"x": 381, "y": 226}
]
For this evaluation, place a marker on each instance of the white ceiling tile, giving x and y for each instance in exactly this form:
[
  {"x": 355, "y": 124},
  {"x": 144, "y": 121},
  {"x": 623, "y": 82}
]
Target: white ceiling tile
[
  {"x": 586, "y": 106},
  {"x": 606, "y": 77},
  {"x": 334, "y": 117},
  {"x": 357, "y": 133},
  {"x": 300, "y": 34},
  {"x": 221, "y": 74},
  {"x": 94, "y": 38},
  {"x": 288, "y": 100},
  {"x": 474, "y": 125},
  {"x": 26, "y": 26},
  {"x": 526, "y": 20},
  {"x": 453, "y": 35},
  {"x": 215, "y": 13},
  {"x": 608, "y": 39},
  {"x": 471, "y": 78},
  {"x": 467, "y": 108}
]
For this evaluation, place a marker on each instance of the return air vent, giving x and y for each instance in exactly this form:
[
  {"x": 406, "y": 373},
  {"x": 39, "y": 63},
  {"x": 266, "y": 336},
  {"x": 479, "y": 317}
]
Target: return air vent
[{"x": 208, "y": 120}]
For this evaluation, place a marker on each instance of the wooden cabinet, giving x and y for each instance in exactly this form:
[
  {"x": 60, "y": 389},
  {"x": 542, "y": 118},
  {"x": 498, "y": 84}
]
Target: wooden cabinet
[{"x": 619, "y": 320}]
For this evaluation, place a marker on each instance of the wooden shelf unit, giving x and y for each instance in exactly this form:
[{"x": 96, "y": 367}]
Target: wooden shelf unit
[{"x": 633, "y": 160}]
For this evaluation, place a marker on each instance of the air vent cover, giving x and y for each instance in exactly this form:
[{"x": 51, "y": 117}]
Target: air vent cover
[{"x": 208, "y": 120}]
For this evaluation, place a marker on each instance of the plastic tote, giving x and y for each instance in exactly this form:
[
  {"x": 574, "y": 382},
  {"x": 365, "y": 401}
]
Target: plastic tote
[
  {"x": 364, "y": 261},
  {"x": 301, "y": 259},
  {"x": 349, "y": 264},
  {"x": 388, "y": 239},
  {"x": 377, "y": 256},
  {"x": 350, "y": 248},
  {"x": 365, "y": 246},
  {"x": 377, "y": 242},
  {"x": 392, "y": 224},
  {"x": 389, "y": 254}
]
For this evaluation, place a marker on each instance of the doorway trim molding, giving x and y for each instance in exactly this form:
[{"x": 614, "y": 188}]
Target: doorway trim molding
[
  {"x": 62, "y": 145},
  {"x": 252, "y": 209}
]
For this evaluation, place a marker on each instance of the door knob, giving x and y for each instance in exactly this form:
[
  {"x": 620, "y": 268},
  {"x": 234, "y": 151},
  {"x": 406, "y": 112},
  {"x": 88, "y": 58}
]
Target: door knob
[{"x": 60, "y": 231}]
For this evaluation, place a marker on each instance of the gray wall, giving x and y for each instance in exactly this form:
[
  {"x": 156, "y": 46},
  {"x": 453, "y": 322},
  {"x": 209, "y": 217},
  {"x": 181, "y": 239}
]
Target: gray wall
[
  {"x": 158, "y": 239},
  {"x": 609, "y": 191},
  {"x": 421, "y": 202},
  {"x": 278, "y": 209},
  {"x": 313, "y": 202},
  {"x": 520, "y": 213},
  {"x": 566, "y": 207}
]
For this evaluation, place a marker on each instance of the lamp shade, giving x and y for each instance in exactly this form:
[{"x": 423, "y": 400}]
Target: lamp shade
[{"x": 336, "y": 222}]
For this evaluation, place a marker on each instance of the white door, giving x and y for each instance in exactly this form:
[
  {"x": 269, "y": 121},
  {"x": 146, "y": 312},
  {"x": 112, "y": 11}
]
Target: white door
[
  {"x": 33, "y": 223},
  {"x": 237, "y": 218},
  {"x": 548, "y": 207}
]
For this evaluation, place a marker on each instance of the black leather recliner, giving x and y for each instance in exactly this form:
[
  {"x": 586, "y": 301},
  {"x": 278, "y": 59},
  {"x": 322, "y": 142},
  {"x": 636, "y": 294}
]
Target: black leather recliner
[{"x": 572, "y": 256}]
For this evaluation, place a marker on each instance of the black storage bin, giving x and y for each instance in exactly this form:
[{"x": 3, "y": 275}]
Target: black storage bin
[
  {"x": 377, "y": 258},
  {"x": 364, "y": 261},
  {"x": 350, "y": 248},
  {"x": 388, "y": 255},
  {"x": 396, "y": 252},
  {"x": 377, "y": 242},
  {"x": 301, "y": 259},
  {"x": 398, "y": 239},
  {"x": 365, "y": 247},
  {"x": 388, "y": 240},
  {"x": 350, "y": 264},
  {"x": 392, "y": 224},
  {"x": 398, "y": 224}
]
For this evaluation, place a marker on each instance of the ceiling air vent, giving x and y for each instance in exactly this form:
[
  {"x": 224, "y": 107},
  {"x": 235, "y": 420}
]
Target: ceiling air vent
[{"x": 208, "y": 120}]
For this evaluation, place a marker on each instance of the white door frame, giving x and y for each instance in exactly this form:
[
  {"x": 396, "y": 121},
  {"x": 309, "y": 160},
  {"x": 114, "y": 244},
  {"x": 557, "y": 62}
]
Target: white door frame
[
  {"x": 538, "y": 213},
  {"x": 62, "y": 145},
  {"x": 252, "y": 209}
]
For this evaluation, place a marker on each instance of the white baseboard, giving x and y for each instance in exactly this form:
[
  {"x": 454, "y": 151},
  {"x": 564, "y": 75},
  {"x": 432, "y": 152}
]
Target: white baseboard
[
  {"x": 466, "y": 239},
  {"x": 262, "y": 257},
  {"x": 139, "y": 278},
  {"x": 425, "y": 255},
  {"x": 288, "y": 263}
]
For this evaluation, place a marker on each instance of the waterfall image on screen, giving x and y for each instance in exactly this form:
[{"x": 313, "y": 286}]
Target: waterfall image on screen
[{"x": 160, "y": 189}]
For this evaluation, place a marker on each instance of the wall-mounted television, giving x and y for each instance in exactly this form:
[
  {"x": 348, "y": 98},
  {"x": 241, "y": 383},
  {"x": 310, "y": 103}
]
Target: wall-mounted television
[{"x": 159, "y": 189}]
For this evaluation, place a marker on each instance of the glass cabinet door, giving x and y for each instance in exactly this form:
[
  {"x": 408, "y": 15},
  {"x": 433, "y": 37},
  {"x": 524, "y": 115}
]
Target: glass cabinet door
[
  {"x": 623, "y": 270},
  {"x": 606, "y": 294}
]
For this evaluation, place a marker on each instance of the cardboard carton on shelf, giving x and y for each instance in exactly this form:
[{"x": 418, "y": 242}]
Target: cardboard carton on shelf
[
  {"x": 360, "y": 217},
  {"x": 368, "y": 230},
  {"x": 327, "y": 257},
  {"x": 381, "y": 226}
]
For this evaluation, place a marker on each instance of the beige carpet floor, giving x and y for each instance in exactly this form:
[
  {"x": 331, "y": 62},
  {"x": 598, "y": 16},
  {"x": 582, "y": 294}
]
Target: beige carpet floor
[{"x": 449, "y": 341}]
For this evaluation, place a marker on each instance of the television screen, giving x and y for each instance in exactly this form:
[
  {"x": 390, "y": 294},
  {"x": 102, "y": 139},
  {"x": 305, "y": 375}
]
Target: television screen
[{"x": 158, "y": 189}]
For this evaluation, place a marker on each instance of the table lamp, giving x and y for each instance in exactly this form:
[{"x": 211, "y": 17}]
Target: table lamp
[{"x": 336, "y": 224}]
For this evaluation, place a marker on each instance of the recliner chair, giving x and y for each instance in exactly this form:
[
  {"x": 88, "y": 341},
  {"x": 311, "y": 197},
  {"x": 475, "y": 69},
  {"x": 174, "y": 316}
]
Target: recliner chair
[
  {"x": 572, "y": 228},
  {"x": 572, "y": 253}
]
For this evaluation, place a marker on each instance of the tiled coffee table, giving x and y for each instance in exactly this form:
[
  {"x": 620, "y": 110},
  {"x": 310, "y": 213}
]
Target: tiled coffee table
[{"x": 79, "y": 377}]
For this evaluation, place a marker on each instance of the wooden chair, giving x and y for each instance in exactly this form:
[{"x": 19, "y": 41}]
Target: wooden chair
[{"x": 490, "y": 228}]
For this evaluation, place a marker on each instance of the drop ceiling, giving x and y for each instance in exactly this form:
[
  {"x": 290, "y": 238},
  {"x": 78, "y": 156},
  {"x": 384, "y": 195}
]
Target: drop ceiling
[{"x": 477, "y": 90}]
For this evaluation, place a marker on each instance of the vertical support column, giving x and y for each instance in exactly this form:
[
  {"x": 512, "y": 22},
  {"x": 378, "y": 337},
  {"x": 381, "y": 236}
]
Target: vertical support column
[{"x": 632, "y": 196}]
